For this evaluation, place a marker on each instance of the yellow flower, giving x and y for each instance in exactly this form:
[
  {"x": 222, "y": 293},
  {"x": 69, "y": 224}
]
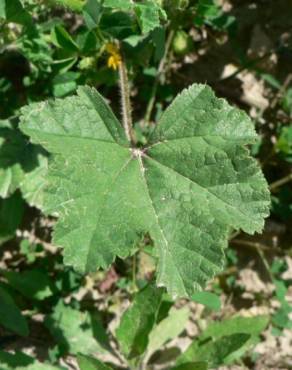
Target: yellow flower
[{"x": 115, "y": 59}]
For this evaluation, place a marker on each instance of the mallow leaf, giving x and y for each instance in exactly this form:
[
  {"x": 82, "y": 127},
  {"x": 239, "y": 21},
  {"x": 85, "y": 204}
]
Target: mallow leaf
[
  {"x": 187, "y": 187},
  {"x": 167, "y": 329},
  {"x": 22, "y": 165},
  {"x": 11, "y": 316},
  {"x": 138, "y": 321},
  {"x": 148, "y": 15}
]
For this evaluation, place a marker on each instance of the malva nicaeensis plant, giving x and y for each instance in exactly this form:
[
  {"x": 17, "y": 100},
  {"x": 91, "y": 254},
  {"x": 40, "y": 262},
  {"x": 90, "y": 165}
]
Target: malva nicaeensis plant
[{"x": 187, "y": 187}]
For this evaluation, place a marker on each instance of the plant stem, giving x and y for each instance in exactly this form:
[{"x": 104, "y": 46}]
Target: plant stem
[
  {"x": 254, "y": 245},
  {"x": 249, "y": 64},
  {"x": 281, "y": 91},
  {"x": 158, "y": 77},
  {"x": 278, "y": 183},
  {"x": 126, "y": 102},
  {"x": 265, "y": 263}
]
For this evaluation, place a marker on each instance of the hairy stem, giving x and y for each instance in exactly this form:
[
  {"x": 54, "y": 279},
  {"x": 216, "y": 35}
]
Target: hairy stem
[
  {"x": 126, "y": 102},
  {"x": 158, "y": 77}
]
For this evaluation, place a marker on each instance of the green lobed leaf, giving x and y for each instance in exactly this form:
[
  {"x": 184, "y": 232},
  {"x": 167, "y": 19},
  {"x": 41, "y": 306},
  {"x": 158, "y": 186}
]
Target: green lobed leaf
[
  {"x": 187, "y": 187},
  {"x": 10, "y": 315},
  {"x": 138, "y": 321}
]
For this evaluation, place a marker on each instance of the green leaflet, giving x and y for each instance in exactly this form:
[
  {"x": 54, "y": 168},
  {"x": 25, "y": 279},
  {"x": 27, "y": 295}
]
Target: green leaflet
[
  {"x": 253, "y": 326},
  {"x": 89, "y": 363},
  {"x": 166, "y": 330},
  {"x": 33, "y": 284},
  {"x": 226, "y": 341},
  {"x": 192, "y": 182},
  {"x": 62, "y": 39},
  {"x": 11, "y": 212},
  {"x": 76, "y": 331},
  {"x": 216, "y": 352},
  {"x": 208, "y": 299},
  {"x": 138, "y": 321}
]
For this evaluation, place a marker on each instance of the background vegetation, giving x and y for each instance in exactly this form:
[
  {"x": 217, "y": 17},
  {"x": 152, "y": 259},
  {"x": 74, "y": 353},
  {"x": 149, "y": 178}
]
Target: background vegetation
[{"x": 51, "y": 317}]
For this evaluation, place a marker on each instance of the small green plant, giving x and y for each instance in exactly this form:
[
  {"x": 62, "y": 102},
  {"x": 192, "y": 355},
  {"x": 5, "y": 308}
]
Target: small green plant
[
  {"x": 89, "y": 200},
  {"x": 108, "y": 192}
]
